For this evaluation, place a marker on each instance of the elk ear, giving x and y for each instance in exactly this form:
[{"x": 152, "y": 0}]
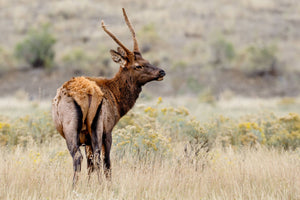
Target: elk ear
[
  {"x": 118, "y": 58},
  {"x": 122, "y": 52}
]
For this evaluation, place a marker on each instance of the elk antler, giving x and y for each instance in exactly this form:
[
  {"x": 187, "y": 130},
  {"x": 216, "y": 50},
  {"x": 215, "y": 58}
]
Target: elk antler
[
  {"x": 135, "y": 44},
  {"x": 129, "y": 53}
]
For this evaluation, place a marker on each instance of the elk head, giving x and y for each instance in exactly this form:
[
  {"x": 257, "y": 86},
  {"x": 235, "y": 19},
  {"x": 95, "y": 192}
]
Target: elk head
[{"x": 132, "y": 62}]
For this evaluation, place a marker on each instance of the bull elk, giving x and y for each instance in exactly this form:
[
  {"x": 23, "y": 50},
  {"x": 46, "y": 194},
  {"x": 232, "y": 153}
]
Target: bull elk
[{"x": 86, "y": 109}]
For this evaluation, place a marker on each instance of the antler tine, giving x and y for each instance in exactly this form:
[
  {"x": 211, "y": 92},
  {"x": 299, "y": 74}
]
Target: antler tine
[
  {"x": 135, "y": 44},
  {"x": 114, "y": 38}
]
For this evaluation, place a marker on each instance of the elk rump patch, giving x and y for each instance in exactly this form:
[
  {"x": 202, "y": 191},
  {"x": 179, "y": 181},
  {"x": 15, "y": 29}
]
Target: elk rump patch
[{"x": 87, "y": 95}]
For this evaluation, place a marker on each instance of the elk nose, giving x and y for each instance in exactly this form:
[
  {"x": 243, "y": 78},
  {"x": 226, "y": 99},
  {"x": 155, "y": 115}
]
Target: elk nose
[{"x": 162, "y": 73}]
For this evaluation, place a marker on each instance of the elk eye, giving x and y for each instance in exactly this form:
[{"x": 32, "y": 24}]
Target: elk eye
[{"x": 138, "y": 67}]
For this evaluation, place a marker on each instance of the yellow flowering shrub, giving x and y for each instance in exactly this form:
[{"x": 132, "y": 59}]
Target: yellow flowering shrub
[
  {"x": 250, "y": 133},
  {"x": 148, "y": 131},
  {"x": 177, "y": 124},
  {"x": 143, "y": 142},
  {"x": 23, "y": 130},
  {"x": 284, "y": 131}
]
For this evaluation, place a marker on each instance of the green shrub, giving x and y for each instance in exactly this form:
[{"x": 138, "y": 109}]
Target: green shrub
[
  {"x": 223, "y": 53},
  {"x": 259, "y": 59},
  {"x": 77, "y": 58},
  {"x": 91, "y": 63},
  {"x": 37, "y": 48}
]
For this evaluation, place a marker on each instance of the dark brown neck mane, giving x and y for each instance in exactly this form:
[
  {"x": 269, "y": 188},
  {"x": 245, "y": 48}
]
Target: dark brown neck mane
[{"x": 125, "y": 90}]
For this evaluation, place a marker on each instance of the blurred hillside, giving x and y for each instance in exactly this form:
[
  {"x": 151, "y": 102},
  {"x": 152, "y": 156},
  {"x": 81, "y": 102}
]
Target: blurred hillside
[{"x": 208, "y": 48}]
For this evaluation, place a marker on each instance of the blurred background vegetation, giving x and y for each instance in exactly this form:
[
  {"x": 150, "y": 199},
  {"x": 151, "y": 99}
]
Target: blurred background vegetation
[{"x": 208, "y": 48}]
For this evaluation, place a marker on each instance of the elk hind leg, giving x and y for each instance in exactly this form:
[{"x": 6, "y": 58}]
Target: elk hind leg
[
  {"x": 89, "y": 158},
  {"x": 72, "y": 127},
  {"x": 96, "y": 139},
  {"x": 77, "y": 159},
  {"x": 107, "y": 141}
]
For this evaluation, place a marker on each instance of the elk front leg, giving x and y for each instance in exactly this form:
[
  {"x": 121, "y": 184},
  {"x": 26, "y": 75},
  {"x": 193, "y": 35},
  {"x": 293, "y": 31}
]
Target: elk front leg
[{"x": 107, "y": 141}]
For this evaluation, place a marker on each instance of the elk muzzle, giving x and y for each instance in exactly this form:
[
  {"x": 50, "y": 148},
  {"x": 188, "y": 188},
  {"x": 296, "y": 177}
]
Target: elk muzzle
[{"x": 161, "y": 75}]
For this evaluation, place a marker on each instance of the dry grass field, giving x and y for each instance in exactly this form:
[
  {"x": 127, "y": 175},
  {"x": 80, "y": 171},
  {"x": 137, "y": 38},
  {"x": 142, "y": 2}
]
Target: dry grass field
[
  {"x": 45, "y": 172},
  {"x": 167, "y": 165}
]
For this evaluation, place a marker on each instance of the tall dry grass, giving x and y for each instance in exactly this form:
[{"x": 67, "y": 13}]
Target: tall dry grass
[{"x": 45, "y": 172}]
